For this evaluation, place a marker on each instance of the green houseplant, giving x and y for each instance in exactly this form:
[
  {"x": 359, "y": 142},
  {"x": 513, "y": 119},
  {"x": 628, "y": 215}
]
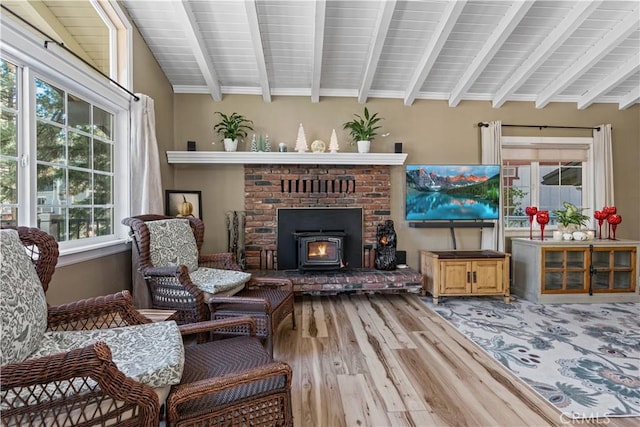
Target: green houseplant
[
  {"x": 232, "y": 127},
  {"x": 363, "y": 129},
  {"x": 571, "y": 217}
]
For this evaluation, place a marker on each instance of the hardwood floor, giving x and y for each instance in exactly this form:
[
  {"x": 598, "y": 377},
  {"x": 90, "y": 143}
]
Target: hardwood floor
[{"x": 387, "y": 360}]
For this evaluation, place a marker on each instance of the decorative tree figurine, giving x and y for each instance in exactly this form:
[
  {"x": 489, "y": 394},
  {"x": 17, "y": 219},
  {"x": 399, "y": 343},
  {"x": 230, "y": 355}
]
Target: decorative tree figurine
[
  {"x": 254, "y": 143},
  {"x": 301, "y": 141},
  {"x": 333, "y": 142},
  {"x": 267, "y": 143}
]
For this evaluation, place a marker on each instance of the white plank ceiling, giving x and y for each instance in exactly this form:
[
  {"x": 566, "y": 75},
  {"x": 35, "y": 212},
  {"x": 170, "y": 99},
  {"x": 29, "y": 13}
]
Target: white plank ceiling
[{"x": 536, "y": 50}]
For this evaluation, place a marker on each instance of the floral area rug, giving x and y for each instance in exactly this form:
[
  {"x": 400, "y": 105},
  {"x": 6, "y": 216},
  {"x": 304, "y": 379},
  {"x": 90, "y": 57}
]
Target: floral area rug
[{"x": 583, "y": 358}]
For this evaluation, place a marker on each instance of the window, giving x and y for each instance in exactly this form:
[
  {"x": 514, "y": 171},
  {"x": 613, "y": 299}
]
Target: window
[
  {"x": 63, "y": 148},
  {"x": 8, "y": 143},
  {"x": 544, "y": 172},
  {"x": 74, "y": 172}
]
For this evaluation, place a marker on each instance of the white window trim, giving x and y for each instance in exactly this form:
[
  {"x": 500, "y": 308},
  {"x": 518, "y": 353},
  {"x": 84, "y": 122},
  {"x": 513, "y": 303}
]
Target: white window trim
[
  {"x": 588, "y": 169},
  {"x": 27, "y": 50}
]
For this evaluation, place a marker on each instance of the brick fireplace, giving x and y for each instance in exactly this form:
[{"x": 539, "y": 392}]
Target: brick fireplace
[{"x": 269, "y": 187}]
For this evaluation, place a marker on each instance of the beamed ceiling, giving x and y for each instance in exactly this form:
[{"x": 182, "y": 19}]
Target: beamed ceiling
[{"x": 538, "y": 51}]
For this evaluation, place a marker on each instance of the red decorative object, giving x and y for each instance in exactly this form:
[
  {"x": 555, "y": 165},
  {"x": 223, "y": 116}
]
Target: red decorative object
[
  {"x": 543, "y": 219},
  {"x": 600, "y": 216},
  {"x": 613, "y": 221},
  {"x": 531, "y": 211},
  {"x": 609, "y": 210}
]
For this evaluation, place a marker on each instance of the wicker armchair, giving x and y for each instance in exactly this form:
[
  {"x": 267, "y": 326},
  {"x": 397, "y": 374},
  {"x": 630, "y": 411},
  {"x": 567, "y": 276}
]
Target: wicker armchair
[
  {"x": 224, "y": 381},
  {"x": 38, "y": 391},
  {"x": 267, "y": 300}
]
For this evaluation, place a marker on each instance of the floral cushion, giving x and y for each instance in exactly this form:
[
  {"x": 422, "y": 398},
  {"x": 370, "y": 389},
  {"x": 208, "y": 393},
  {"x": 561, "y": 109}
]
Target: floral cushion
[
  {"x": 215, "y": 281},
  {"x": 172, "y": 243},
  {"x": 151, "y": 353},
  {"x": 23, "y": 311}
]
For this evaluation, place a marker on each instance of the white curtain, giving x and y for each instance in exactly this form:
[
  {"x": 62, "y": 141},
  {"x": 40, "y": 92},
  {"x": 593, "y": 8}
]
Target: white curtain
[
  {"x": 603, "y": 167},
  {"x": 493, "y": 238},
  {"x": 146, "y": 182}
]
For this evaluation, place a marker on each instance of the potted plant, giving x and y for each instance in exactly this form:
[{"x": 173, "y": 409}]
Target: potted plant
[
  {"x": 571, "y": 218},
  {"x": 232, "y": 127},
  {"x": 362, "y": 129}
]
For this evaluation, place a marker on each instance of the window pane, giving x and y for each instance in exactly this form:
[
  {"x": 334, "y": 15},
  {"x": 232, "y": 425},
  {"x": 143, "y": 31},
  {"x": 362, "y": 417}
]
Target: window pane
[
  {"x": 560, "y": 182},
  {"x": 103, "y": 223},
  {"x": 49, "y": 102},
  {"x": 80, "y": 187},
  {"x": 51, "y": 144},
  {"x": 8, "y": 140},
  {"x": 102, "y": 123},
  {"x": 79, "y": 223},
  {"x": 79, "y": 114},
  {"x": 54, "y": 224},
  {"x": 102, "y": 156},
  {"x": 517, "y": 193},
  {"x": 8, "y": 85},
  {"x": 79, "y": 150},
  {"x": 51, "y": 187},
  {"x": 8, "y": 181},
  {"x": 102, "y": 193}
]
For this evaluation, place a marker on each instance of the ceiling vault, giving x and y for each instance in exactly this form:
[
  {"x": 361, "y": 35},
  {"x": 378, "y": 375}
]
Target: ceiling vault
[{"x": 537, "y": 51}]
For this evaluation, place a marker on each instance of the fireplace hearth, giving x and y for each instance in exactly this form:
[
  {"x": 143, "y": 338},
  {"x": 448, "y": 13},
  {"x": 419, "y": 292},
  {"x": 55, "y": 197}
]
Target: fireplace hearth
[{"x": 320, "y": 239}]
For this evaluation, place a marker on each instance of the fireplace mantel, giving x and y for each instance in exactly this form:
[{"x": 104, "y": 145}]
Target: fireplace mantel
[{"x": 261, "y": 158}]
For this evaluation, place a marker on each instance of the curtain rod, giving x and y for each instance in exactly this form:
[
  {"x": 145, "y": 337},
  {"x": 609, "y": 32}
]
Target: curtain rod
[
  {"x": 483, "y": 124},
  {"x": 51, "y": 40}
]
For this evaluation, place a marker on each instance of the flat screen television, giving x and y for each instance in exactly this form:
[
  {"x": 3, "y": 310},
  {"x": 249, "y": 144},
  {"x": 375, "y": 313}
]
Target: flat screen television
[{"x": 452, "y": 192}]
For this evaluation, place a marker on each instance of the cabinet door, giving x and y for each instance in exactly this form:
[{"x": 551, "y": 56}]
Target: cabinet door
[
  {"x": 614, "y": 269},
  {"x": 486, "y": 276},
  {"x": 455, "y": 277},
  {"x": 564, "y": 270}
]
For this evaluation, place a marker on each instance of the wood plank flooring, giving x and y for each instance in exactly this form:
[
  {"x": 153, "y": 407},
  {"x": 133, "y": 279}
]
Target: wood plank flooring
[{"x": 387, "y": 360}]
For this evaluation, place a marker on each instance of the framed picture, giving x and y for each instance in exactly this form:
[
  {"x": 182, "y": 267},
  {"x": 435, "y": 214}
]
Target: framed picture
[{"x": 175, "y": 200}]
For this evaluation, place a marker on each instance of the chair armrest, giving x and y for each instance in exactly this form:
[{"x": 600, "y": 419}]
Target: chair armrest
[
  {"x": 185, "y": 392},
  {"x": 223, "y": 260},
  {"x": 214, "y": 301},
  {"x": 108, "y": 311},
  {"x": 213, "y": 325},
  {"x": 270, "y": 282},
  {"x": 92, "y": 371}
]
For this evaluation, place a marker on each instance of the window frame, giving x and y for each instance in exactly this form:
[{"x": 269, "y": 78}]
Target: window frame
[
  {"x": 26, "y": 50},
  {"x": 584, "y": 144}
]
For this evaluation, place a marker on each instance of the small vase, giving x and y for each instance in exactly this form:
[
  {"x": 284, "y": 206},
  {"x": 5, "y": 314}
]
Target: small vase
[
  {"x": 364, "y": 146},
  {"x": 230, "y": 144}
]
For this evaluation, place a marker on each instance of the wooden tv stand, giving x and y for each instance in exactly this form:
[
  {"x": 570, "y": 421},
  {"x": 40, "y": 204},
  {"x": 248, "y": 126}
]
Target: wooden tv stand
[{"x": 458, "y": 273}]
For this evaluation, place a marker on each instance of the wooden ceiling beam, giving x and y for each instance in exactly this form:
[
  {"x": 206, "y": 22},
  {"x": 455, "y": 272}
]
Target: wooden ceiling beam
[
  {"x": 440, "y": 35},
  {"x": 509, "y": 22},
  {"x": 379, "y": 35},
  {"x": 606, "y": 44},
  {"x": 629, "y": 68},
  {"x": 318, "y": 44},
  {"x": 258, "y": 50},
  {"x": 630, "y": 99},
  {"x": 186, "y": 20},
  {"x": 553, "y": 41}
]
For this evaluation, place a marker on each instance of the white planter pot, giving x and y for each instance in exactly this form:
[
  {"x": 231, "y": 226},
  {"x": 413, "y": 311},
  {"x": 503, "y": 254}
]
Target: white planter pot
[
  {"x": 230, "y": 144},
  {"x": 364, "y": 146}
]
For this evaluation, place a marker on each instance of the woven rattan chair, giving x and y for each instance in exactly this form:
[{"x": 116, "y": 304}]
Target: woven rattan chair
[
  {"x": 231, "y": 381},
  {"x": 38, "y": 391},
  {"x": 267, "y": 300}
]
